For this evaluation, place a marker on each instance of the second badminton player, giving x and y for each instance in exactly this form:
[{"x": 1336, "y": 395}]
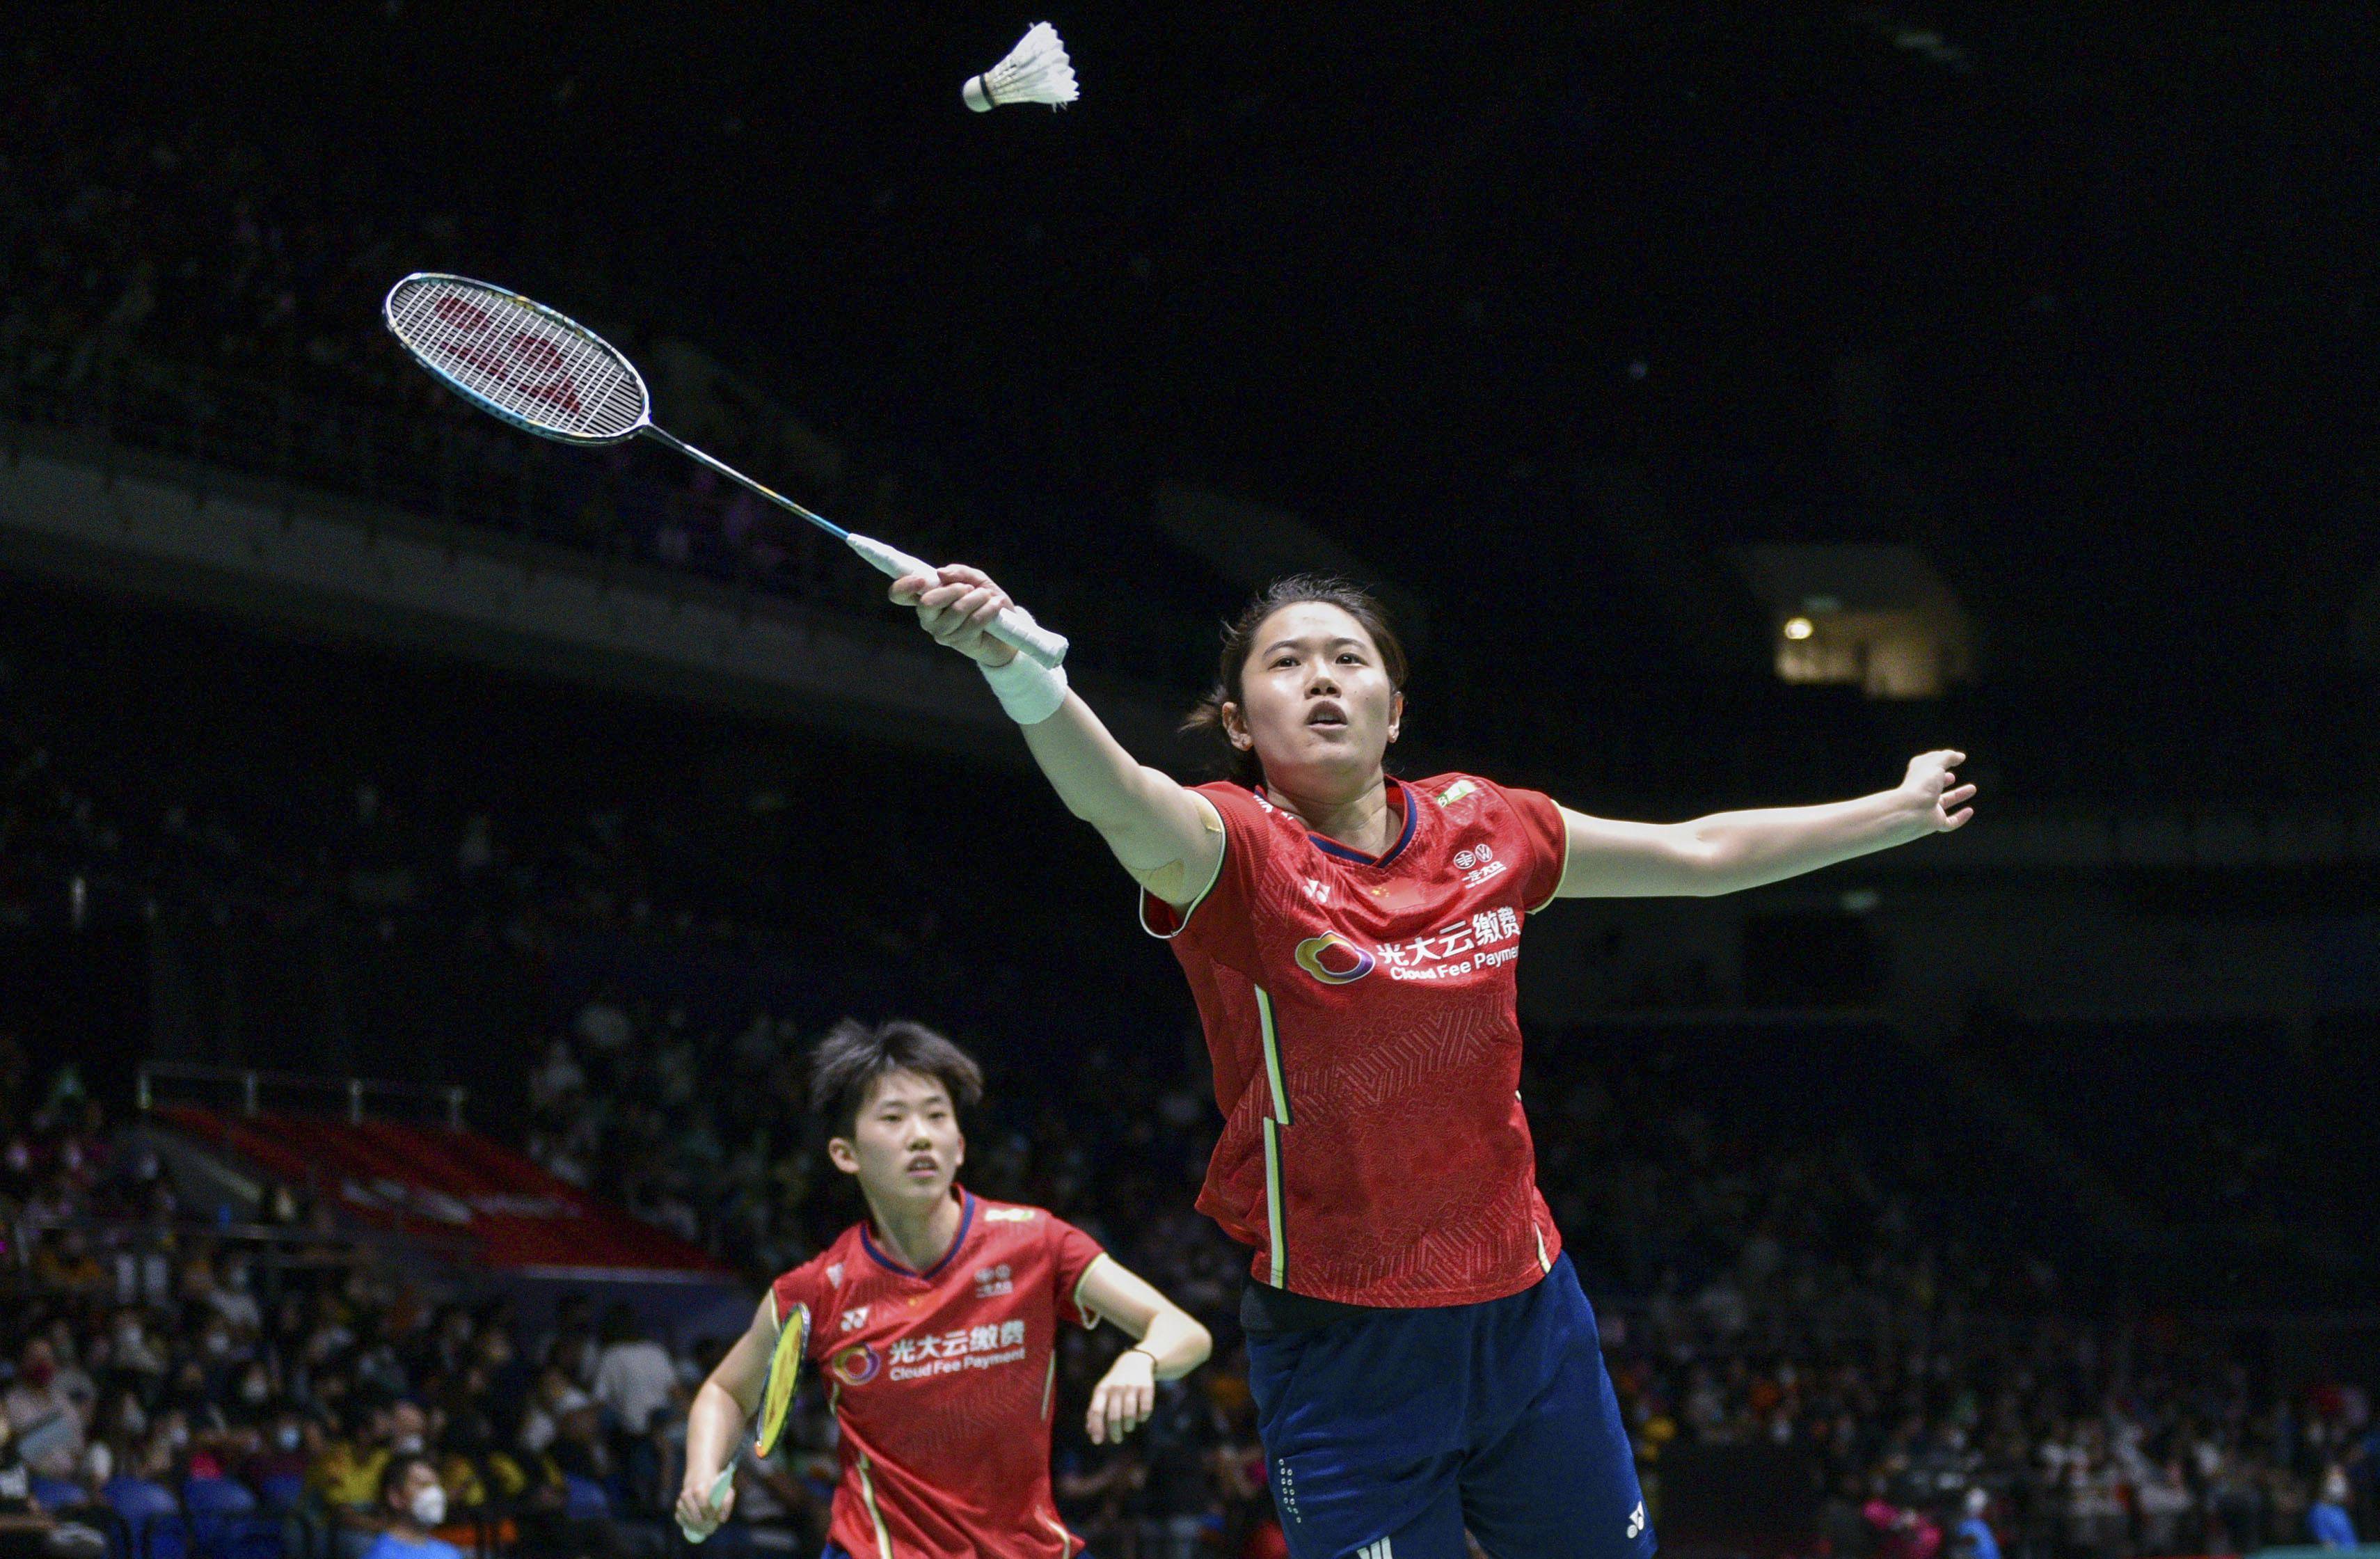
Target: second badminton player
[
  {"x": 1422, "y": 1356},
  {"x": 936, "y": 1323}
]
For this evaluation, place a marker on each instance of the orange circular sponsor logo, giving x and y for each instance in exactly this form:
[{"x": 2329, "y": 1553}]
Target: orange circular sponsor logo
[{"x": 1334, "y": 960}]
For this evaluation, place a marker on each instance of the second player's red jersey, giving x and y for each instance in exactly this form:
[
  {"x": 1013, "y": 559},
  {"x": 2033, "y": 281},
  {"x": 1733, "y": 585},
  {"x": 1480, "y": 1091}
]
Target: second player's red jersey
[
  {"x": 941, "y": 1383},
  {"x": 1367, "y": 1053}
]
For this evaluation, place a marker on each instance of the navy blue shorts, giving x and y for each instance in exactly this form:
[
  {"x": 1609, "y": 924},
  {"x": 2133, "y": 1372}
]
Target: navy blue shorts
[{"x": 1392, "y": 1431}]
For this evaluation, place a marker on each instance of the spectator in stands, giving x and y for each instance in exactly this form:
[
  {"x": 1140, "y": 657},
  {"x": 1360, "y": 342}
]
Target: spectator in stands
[
  {"x": 284, "y": 1449},
  {"x": 635, "y": 1381},
  {"x": 413, "y": 1504},
  {"x": 1974, "y": 1539},
  {"x": 1898, "y": 1532},
  {"x": 42, "y": 1418},
  {"x": 2162, "y": 1499},
  {"x": 2327, "y": 1519},
  {"x": 555, "y": 1399},
  {"x": 634, "y": 1376},
  {"x": 27, "y": 1532}
]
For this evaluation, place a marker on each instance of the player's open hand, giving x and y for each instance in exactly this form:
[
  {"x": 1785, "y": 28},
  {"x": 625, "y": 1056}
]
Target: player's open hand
[
  {"x": 696, "y": 1515},
  {"x": 958, "y": 605},
  {"x": 1935, "y": 793},
  {"x": 1125, "y": 1397}
]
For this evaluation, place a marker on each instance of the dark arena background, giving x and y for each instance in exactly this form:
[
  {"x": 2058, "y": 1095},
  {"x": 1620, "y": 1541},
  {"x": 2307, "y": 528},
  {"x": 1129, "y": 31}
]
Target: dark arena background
[{"x": 427, "y": 853}]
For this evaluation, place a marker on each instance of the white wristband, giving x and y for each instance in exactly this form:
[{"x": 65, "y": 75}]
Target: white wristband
[{"x": 1030, "y": 691}]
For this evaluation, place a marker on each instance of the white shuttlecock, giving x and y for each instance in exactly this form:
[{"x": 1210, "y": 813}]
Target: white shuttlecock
[{"x": 1037, "y": 70}]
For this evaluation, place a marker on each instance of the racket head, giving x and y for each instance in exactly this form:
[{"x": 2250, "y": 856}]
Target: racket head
[
  {"x": 784, "y": 1374},
  {"x": 543, "y": 371}
]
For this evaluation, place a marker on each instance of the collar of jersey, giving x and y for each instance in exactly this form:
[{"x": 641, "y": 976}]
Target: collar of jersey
[
  {"x": 966, "y": 1221},
  {"x": 1413, "y": 820}
]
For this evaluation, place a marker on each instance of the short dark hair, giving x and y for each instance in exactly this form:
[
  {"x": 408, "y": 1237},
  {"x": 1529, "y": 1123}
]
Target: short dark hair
[
  {"x": 1240, "y": 638},
  {"x": 848, "y": 1061},
  {"x": 400, "y": 1467}
]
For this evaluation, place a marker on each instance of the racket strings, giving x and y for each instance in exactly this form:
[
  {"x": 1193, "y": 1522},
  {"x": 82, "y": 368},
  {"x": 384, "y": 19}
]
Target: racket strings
[{"x": 525, "y": 364}]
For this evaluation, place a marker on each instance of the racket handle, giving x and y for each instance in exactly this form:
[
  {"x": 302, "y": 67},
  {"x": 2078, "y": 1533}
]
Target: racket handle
[
  {"x": 1014, "y": 626},
  {"x": 719, "y": 1487}
]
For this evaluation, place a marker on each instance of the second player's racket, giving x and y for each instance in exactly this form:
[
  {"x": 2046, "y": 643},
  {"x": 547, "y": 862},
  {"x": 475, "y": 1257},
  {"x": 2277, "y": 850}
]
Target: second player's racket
[
  {"x": 550, "y": 376},
  {"x": 776, "y": 1402},
  {"x": 784, "y": 1374}
]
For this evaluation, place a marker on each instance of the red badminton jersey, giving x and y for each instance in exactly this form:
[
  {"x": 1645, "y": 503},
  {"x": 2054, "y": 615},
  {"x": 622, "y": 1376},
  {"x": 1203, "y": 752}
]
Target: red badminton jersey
[
  {"x": 941, "y": 1383},
  {"x": 1368, "y": 1055}
]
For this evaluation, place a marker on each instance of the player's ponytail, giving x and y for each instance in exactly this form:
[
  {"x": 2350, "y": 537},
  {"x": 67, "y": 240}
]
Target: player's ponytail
[{"x": 1240, "y": 637}]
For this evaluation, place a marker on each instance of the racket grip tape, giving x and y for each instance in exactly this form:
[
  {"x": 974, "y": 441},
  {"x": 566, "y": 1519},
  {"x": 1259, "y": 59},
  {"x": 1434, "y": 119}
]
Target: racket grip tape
[
  {"x": 1014, "y": 626},
  {"x": 719, "y": 1487}
]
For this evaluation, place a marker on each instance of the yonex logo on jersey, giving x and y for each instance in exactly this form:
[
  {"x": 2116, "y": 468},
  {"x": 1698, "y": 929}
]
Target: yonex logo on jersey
[
  {"x": 1334, "y": 960},
  {"x": 854, "y": 1319},
  {"x": 1318, "y": 889},
  {"x": 1636, "y": 1519}
]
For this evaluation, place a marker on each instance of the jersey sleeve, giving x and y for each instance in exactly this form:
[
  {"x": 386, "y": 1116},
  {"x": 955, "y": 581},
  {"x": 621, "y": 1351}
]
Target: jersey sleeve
[
  {"x": 1219, "y": 923},
  {"x": 805, "y": 1286},
  {"x": 1538, "y": 823},
  {"x": 1071, "y": 1252}
]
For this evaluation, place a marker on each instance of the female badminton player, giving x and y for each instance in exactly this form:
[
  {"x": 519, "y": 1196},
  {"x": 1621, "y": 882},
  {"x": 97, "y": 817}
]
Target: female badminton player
[
  {"x": 1421, "y": 1354},
  {"x": 936, "y": 1321}
]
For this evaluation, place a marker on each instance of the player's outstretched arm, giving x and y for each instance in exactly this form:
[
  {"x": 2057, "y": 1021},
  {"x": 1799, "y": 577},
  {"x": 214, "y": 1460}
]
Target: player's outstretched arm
[
  {"x": 1165, "y": 834},
  {"x": 1726, "y": 852},
  {"x": 722, "y": 1408},
  {"x": 1166, "y": 1344}
]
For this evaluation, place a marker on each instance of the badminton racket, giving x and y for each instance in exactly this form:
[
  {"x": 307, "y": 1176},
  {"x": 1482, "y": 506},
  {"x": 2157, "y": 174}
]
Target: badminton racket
[
  {"x": 776, "y": 1402},
  {"x": 547, "y": 374}
]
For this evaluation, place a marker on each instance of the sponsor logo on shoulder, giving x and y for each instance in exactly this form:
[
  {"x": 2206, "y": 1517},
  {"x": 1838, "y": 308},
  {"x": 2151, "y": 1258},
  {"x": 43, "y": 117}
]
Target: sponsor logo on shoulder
[
  {"x": 1456, "y": 792},
  {"x": 1334, "y": 960},
  {"x": 1010, "y": 1214},
  {"x": 1379, "y": 1550},
  {"x": 1636, "y": 1519}
]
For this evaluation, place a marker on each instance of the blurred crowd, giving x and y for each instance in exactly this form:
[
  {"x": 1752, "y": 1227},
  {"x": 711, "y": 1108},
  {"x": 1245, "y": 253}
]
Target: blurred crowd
[
  {"x": 186, "y": 289},
  {"x": 305, "y": 1388}
]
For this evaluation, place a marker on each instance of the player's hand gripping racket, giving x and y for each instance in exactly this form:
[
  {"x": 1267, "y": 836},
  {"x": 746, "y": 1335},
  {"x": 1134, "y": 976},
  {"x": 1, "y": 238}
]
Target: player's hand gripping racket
[
  {"x": 554, "y": 377},
  {"x": 776, "y": 1402}
]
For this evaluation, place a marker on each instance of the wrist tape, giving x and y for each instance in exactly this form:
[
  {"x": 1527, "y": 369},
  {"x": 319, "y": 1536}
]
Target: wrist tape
[{"x": 1029, "y": 690}]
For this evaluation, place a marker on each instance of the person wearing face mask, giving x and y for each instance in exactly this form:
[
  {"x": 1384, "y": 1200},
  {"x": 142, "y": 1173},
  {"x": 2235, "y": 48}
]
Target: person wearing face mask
[
  {"x": 281, "y": 1454},
  {"x": 413, "y": 1504}
]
